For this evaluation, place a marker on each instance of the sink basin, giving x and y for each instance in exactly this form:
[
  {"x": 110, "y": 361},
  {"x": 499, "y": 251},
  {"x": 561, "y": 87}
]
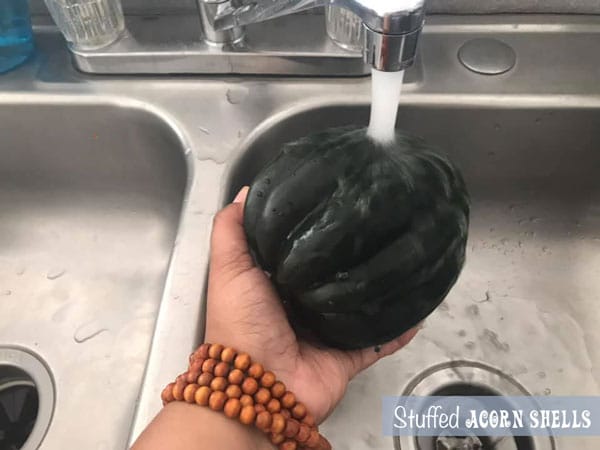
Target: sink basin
[
  {"x": 90, "y": 196},
  {"x": 526, "y": 302}
]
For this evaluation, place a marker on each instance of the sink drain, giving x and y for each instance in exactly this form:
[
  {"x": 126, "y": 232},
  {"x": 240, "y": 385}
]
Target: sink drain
[
  {"x": 464, "y": 378},
  {"x": 26, "y": 400}
]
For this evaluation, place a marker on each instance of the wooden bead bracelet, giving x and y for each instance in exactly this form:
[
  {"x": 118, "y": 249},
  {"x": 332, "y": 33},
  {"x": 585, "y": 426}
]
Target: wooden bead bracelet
[{"x": 224, "y": 380}]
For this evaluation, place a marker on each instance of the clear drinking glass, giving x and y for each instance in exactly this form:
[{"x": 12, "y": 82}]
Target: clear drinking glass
[
  {"x": 88, "y": 23},
  {"x": 344, "y": 28}
]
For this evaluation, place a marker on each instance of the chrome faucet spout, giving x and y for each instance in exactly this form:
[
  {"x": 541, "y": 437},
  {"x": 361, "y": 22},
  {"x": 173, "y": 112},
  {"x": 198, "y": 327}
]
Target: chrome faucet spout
[{"x": 392, "y": 27}]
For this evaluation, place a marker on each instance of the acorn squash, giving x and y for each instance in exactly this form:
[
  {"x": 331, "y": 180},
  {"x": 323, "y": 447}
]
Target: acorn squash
[{"x": 361, "y": 240}]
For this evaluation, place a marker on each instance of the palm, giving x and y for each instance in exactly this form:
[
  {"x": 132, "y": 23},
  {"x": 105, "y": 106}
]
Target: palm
[{"x": 245, "y": 312}]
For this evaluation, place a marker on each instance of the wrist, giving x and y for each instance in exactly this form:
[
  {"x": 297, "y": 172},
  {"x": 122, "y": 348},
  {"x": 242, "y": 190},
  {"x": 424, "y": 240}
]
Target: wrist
[{"x": 182, "y": 426}]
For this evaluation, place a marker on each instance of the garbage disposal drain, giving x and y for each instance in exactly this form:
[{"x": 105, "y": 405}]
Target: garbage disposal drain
[
  {"x": 26, "y": 400},
  {"x": 467, "y": 378}
]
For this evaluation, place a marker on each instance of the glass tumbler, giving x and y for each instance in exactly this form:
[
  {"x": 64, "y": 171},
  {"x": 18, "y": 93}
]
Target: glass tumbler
[
  {"x": 344, "y": 28},
  {"x": 88, "y": 24}
]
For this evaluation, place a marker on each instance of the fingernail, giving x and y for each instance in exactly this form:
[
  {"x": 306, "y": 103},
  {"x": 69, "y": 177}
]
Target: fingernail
[{"x": 239, "y": 198}]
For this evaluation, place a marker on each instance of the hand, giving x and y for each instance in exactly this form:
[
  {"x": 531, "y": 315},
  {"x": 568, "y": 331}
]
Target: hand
[{"x": 245, "y": 312}]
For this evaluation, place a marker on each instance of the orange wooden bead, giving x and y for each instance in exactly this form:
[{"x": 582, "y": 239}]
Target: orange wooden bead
[
  {"x": 263, "y": 421},
  {"x": 209, "y": 365},
  {"x": 278, "y": 389},
  {"x": 256, "y": 370},
  {"x": 309, "y": 420},
  {"x": 236, "y": 376},
  {"x": 202, "y": 395},
  {"x": 218, "y": 384},
  {"x": 268, "y": 379},
  {"x": 289, "y": 445},
  {"x": 233, "y": 391},
  {"x": 313, "y": 439},
  {"x": 259, "y": 408},
  {"x": 203, "y": 351},
  {"x": 286, "y": 414},
  {"x": 247, "y": 415},
  {"x": 215, "y": 351},
  {"x": 189, "y": 392},
  {"x": 167, "y": 393},
  {"x": 178, "y": 389},
  {"x": 204, "y": 379},
  {"x": 194, "y": 371},
  {"x": 221, "y": 369},
  {"x": 246, "y": 400},
  {"x": 228, "y": 355},
  {"x": 217, "y": 400},
  {"x": 242, "y": 361},
  {"x": 299, "y": 411},
  {"x": 292, "y": 426},
  {"x": 323, "y": 444},
  {"x": 303, "y": 433},
  {"x": 278, "y": 424},
  {"x": 232, "y": 408},
  {"x": 288, "y": 400},
  {"x": 273, "y": 406},
  {"x": 262, "y": 396},
  {"x": 277, "y": 438},
  {"x": 249, "y": 386}
]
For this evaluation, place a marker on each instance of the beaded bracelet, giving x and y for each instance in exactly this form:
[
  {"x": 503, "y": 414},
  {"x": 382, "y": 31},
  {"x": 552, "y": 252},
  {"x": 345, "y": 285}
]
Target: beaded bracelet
[{"x": 224, "y": 380}]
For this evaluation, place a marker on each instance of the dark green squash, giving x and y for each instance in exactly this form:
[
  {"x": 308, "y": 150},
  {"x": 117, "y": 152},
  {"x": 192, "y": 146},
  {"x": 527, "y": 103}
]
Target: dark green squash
[{"x": 362, "y": 241}]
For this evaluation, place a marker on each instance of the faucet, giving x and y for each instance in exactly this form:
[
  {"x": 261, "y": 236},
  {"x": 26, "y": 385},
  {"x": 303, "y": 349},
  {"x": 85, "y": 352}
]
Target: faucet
[
  {"x": 392, "y": 27},
  {"x": 226, "y": 40}
]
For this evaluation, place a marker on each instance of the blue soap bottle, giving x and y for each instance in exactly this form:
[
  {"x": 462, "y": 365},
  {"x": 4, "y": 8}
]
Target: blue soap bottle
[{"x": 16, "y": 37}]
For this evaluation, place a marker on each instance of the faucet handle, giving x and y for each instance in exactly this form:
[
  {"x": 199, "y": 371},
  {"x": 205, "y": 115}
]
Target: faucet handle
[{"x": 236, "y": 13}]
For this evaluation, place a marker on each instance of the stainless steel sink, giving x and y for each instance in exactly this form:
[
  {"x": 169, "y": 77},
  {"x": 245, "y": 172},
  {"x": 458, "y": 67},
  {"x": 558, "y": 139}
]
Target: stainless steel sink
[
  {"x": 108, "y": 186},
  {"x": 90, "y": 196},
  {"x": 526, "y": 302}
]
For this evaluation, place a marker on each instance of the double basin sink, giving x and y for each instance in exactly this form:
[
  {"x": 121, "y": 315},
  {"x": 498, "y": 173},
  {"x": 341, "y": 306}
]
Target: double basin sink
[{"x": 108, "y": 186}]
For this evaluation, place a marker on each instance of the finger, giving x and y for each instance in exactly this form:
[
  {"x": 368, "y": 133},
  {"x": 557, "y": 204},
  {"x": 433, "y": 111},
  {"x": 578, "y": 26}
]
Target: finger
[
  {"x": 358, "y": 360},
  {"x": 241, "y": 196},
  {"x": 230, "y": 255}
]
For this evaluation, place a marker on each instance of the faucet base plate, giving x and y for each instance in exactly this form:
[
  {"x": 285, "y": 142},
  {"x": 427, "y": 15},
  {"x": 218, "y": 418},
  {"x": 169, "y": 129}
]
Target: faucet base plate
[{"x": 292, "y": 45}]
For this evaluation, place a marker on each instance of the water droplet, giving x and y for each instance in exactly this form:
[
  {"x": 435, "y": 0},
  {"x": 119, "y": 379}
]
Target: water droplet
[
  {"x": 492, "y": 229},
  {"x": 55, "y": 274},
  {"x": 541, "y": 375},
  {"x": 462, "y": 333},
  {"x": 520, "y": 243},
  {"x": 341, "y": 276},
  {"x": 260, "y": 194},
  {"x": 538, "y": 121},
  {"x": 20, "y": 271},
  {"x": 497, "y": 127},
  {"x": 204, "y": 130},
  {"x": 469, "y": 345},
  {"x": 547, "y": 391},
  {"x": 267, "y": 181},
  {"x": 237, "y": 95},
  {"x": 545, "y": 249},
  {"x": 473, "y": 310},
  {"x": 504, "y": 241}
]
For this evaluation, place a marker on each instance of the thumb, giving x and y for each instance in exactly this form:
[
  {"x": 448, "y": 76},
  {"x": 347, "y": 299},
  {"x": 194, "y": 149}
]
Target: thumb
[{"x": 230, "y": 256}]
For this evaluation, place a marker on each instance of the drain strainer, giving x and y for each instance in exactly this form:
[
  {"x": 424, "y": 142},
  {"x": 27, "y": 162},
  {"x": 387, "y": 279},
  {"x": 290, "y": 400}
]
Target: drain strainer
[
  {"x": 458, "y": 378},
  {"x": 26, "y": 400}
]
